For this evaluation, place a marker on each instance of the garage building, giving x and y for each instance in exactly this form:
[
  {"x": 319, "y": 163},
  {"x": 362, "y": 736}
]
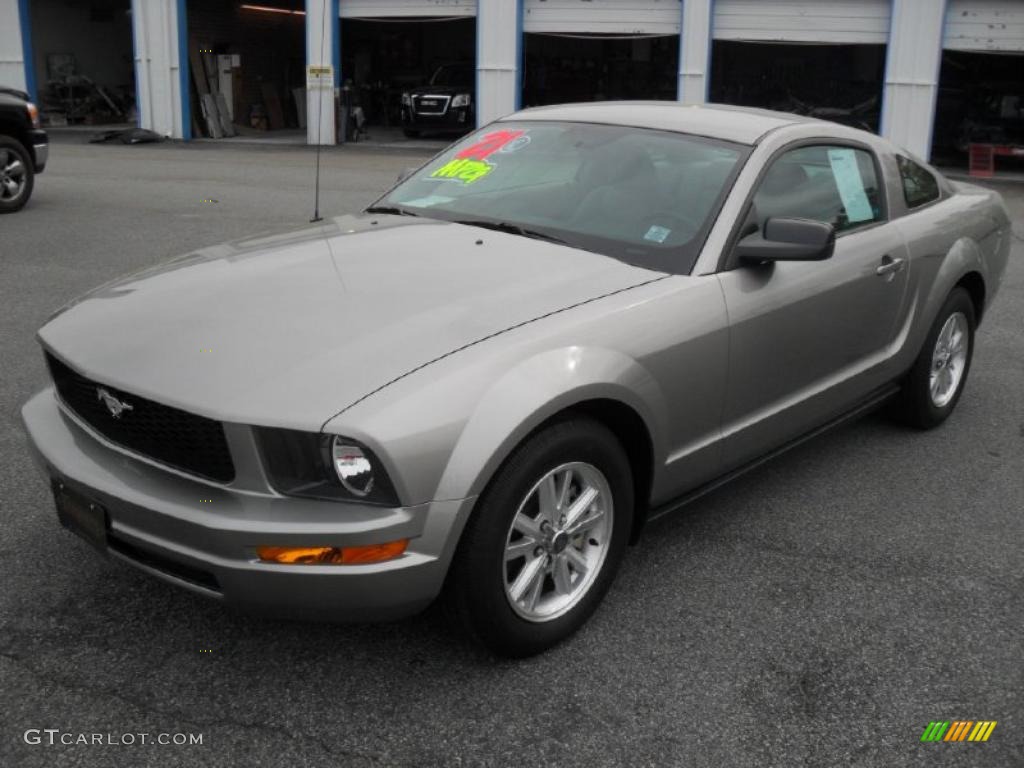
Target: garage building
[
  {"x": 947, "y": 73},
  {"x": 387, "y": 51}
]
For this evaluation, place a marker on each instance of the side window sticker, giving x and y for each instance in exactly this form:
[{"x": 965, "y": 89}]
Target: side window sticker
[{"x": 850, "y": 185}]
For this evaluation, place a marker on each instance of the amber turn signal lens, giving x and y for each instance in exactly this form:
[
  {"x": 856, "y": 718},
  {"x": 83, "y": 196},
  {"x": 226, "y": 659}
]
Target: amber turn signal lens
[{"x": 370, "y": 553}]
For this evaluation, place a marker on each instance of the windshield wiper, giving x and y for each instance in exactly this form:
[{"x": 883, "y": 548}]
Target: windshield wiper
[
  {"x": 394, "y": 209},
  {"x": 513, "y": 229}
]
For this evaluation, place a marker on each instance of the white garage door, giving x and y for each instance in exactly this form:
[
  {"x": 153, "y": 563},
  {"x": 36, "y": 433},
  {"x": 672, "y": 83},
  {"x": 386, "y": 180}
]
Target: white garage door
[
  {"x": 992, "y": 25},
  {"x": 12, "y": 62},
  {"x": 383, "y": 9},
  {"x": 815, "y": 21},
  {"x": 612, "y": 17}
]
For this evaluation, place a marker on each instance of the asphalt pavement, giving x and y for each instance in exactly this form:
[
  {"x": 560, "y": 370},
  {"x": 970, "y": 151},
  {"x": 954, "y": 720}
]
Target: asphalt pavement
[{"x": 820, "y": 611}]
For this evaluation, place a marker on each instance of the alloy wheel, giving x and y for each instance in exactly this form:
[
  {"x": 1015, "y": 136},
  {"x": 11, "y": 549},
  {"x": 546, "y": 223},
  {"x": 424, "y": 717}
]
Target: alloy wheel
[
  {"x": 13, "y": 176},
  {"x": 949, "y": 360},
  {"x": 558, "y": 541}
]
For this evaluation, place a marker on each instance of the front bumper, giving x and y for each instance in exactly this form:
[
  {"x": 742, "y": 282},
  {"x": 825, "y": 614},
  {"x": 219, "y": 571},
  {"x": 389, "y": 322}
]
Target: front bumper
[
  {"x": 452, "y": 120},
  {"x": 203, "y": 536},
  {"x": 40, "y": 149}
]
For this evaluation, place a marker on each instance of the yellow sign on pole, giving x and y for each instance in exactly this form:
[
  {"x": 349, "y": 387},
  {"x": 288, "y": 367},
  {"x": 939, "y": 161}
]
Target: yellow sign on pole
[{"x": 319, "y": 77}]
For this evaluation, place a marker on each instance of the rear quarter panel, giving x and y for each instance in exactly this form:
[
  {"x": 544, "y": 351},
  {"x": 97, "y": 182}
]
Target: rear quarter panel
[{"x": 968, "y": 231}]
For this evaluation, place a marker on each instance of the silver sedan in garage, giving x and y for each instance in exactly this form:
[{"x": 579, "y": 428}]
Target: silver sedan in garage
[{"x": 480, "y": 388}]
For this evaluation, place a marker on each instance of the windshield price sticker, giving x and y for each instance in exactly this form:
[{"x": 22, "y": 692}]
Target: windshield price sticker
[
  {"x": 850, "y": 185},
  {"x": 657, "y": 234},
  {"x": 470, "y": 164}
]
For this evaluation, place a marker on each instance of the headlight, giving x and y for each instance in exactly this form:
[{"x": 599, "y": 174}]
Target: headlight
[
  {"x": 461, "y": 100},
  {"x": 319, "y": 466},
  {"x": 33, "y": 114},
  {"x": 406, "y": 100},
  {"x": 355, "y": 471}
]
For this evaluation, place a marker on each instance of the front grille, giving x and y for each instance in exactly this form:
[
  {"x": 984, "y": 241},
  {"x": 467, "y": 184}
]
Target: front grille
[
  {"x": 173, "y": 437},
  {"x": 430, "y": 105},
  {"x": 163, "y": 564}
]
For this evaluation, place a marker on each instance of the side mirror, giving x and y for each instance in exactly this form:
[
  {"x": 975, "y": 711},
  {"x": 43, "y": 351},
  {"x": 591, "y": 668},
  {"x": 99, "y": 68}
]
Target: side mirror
[
  {"x": 405, "y": 173},
  {"x": 788, "y": 240}
]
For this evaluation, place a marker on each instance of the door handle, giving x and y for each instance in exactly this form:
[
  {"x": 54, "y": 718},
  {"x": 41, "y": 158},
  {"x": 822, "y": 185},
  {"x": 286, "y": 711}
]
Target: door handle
[{"x": 890, "y": 266}]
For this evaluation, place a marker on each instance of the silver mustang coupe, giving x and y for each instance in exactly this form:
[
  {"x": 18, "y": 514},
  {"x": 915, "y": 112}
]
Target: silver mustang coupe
[{"x": 480, "y": 388}]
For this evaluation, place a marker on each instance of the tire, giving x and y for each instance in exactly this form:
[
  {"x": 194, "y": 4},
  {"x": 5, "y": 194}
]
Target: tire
[
  {"x": 925, "y": 402},
  {"x": 411, "y": 133},
  {"x": 481, "y": 586},
  {"x": 17, "y": 175}
]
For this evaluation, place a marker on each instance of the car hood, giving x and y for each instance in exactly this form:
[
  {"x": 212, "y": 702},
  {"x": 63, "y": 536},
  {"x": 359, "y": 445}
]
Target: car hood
[
  {"x": 21, "y": 95},
  {"x": 288, "y": 330}
]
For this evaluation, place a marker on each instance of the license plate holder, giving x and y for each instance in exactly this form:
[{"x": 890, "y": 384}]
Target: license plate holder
[{"x": 83, "y": 517}]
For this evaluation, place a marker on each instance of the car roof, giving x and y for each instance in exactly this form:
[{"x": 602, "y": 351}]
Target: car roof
[{"x": 744, "y": 125}]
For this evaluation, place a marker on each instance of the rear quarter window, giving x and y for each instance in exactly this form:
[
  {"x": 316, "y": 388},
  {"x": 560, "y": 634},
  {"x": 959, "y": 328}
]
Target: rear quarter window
[{"x": 919, "y": 186}]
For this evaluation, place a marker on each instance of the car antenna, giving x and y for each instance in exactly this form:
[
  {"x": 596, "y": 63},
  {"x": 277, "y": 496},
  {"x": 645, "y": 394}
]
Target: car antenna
[{"x": 319, "y": 117}]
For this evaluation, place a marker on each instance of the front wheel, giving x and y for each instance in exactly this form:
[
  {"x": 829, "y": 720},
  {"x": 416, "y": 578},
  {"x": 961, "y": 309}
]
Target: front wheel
[
  {"x": 546, "y": 540},
  {"x": 935, "y": 383},
  {"x": 16, "y": 175}
]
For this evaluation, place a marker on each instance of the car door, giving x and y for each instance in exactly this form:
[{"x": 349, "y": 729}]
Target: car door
[{"x": 807, "y": 339}]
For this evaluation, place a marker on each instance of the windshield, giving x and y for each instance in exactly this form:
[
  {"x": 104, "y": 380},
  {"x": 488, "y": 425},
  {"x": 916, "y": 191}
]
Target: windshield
[
  {"x": 643, "y": 196},
  {"x": 453, "y": 74}
]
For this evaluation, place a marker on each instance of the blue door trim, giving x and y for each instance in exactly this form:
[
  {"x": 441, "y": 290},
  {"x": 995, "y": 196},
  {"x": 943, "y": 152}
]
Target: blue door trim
[
  {"x": 29, "y": 61},
  {"x": 184, "y": 71},
  {"x": 519, "y": 55},
  {"x": 336, "y": 47}
]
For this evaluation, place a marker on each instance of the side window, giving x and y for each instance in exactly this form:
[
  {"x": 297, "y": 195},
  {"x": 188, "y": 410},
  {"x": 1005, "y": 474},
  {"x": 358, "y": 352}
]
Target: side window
[
  {"x": 919, "y": 186},
  {"x": 836, "y": 185}
]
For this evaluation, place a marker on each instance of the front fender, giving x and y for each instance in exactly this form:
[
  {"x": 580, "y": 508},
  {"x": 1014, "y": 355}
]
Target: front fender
[
  {"x": 534, "y": 391},
  {"x": 443, "y": 432}
]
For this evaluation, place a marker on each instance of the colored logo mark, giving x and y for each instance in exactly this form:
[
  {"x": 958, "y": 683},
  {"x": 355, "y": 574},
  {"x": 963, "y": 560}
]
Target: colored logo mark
[
  {"x": 470, "y": 164},
  {"x": 958, "y": 730}
]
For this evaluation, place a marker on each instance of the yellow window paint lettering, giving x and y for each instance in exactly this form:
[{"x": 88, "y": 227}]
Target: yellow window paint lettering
[{"x": 463, "y": 169}]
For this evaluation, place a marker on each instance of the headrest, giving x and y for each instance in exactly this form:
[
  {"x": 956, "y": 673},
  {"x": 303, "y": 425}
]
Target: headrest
[
  {"x": 615, "y": 165},
  {"x": 784, "y": 177}
]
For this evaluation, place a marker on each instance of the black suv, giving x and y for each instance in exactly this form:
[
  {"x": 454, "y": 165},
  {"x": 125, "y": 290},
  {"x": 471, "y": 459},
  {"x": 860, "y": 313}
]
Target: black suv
[
  {"x": 446, "y": 105},
  {"x": 24, "y": 148}
]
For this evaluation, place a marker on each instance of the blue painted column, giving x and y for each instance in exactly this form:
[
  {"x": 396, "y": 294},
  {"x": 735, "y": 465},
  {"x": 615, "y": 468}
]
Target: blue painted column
[
  {"x": 336, "y": 53},
  {"x": 697, "y": 22},
  {"x": 184, "y": 71},
  {"x": 913, "y": 58},
  {"x": 160, "y": 37},
  {"x": 322, "y": 50},
  {"x": 25, "y": 25},
  {"x": 499, "y": 54}
]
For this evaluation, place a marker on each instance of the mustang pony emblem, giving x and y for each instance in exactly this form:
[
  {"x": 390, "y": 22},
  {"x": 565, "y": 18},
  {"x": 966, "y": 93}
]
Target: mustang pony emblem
[{"x": 115, "y": 406}]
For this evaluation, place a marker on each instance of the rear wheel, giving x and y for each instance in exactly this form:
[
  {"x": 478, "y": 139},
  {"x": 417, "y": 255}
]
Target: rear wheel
[
  {"x": 935, "y": 383},
  {"x": 546, "y": 540},
  {"x": 16, "y": 175}
]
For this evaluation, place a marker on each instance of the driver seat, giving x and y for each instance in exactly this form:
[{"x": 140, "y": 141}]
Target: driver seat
[{"x": 623, "y": 192}]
